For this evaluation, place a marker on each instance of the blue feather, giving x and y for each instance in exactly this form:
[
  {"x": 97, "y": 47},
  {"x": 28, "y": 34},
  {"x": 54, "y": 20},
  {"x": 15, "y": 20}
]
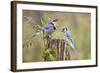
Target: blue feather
[
  {"x": 49, "y": 28},
  {"x": 69, "y": 39}
]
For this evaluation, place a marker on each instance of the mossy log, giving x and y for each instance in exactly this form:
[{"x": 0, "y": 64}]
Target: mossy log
[{"x": 62, "y": 52}]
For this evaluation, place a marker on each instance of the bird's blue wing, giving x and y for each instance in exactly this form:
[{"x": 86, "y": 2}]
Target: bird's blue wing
[
  {"x": 46, "y": 27},
  {"x": 69, "y": 38}
]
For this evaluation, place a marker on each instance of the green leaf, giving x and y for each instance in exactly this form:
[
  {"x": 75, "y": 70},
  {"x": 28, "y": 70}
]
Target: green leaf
[
  {"x": 35, "y": 33},
  {"x": 44, "y": 52},
  {"x": 53, "y": 52},
  {"x": 51, "y": 57},
  {"x": 43, "y": 22},
  {"x": 36, "y": 28}
]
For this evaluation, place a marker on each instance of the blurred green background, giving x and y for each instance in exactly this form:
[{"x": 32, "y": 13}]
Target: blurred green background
[{"x": 77, "y": 23}]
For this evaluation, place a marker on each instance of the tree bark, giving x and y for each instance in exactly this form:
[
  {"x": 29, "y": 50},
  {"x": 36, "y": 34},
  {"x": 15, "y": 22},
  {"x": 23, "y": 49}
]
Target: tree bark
[{"x": 62, "y": 52}]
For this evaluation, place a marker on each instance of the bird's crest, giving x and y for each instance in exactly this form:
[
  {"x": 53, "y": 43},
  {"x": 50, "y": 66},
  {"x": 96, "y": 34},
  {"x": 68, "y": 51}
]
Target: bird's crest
[
  {"x": 64, "y": 29},
  {"x": 55, "y": 20}
]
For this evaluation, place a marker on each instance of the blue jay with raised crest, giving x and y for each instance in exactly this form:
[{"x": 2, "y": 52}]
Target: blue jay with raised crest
[
  {"x": 50, "y": 27},
  {"x": 68, "y": 37}
]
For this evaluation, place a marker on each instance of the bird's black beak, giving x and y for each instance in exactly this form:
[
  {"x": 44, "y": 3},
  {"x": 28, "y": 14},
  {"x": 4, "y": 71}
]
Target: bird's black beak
[{"x": 62, "y": 30}]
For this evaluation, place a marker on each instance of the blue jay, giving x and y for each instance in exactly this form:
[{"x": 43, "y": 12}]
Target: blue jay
[
  {"x": 68, "y": 37},
  {"x": 50, "y": 27}
]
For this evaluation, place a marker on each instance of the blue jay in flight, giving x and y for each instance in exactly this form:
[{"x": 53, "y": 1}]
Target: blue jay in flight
[
  {"x": 50, "y": 27},
  {"x": 68, "y": 37}
]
